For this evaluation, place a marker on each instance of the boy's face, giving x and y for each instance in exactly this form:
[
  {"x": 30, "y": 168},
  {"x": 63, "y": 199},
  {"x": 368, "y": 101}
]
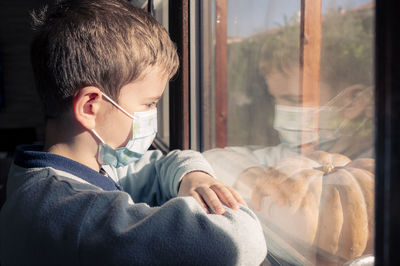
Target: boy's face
[{"x": 138, "y": 96}]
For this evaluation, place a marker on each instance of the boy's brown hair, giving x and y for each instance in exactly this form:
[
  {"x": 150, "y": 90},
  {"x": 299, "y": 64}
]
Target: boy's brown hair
[{"x": 102, "y": 43}]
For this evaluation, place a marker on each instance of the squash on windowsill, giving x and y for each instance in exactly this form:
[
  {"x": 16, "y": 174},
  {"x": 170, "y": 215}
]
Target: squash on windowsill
[{"x": 323, "y": 199}]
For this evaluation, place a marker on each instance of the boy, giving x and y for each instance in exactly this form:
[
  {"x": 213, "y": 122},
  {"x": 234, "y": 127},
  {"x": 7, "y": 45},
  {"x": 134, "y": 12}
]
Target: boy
[{"x": 100, "y": 68}]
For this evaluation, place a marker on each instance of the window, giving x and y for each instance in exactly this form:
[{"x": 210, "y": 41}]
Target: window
[{"x": 287, "y": 120}]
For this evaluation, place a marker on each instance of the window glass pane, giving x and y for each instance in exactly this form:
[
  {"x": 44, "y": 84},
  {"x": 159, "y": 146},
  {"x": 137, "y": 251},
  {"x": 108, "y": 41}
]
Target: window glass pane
[
  {"x": 161, "y": 14},
  {"x": 299, "y": 122},
  {"x": 252, "y": 31}
]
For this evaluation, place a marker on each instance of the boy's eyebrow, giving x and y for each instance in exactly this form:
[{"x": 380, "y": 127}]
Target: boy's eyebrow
[{"x": 154, "y": 98}]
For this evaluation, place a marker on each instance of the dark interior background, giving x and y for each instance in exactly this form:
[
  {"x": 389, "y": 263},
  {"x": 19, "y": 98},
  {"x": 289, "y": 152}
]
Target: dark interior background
[{"x": 21, "y": 117}]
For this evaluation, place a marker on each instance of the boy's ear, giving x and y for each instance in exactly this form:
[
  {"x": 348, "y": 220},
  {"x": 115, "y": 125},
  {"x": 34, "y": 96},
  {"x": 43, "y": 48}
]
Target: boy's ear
[
  {"x": 86, "y": 106},
  {"x": 360, "y": 101}
]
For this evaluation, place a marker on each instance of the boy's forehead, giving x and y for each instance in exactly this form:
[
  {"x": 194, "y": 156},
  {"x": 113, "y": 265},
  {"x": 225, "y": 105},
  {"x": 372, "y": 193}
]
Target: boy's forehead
[
  {"x": 284, "y": 86},
  {"x": 149, "y": 87}
]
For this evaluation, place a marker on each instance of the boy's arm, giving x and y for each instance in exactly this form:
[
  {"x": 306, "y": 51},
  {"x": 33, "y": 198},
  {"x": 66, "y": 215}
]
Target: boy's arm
[
  {"x": 211, "y": 193},
  {"x": 155, "y": 178},
  {"x": 117, "y": 232}
]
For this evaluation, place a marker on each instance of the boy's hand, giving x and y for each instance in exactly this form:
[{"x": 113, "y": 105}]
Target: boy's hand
[{"x": 210, "y": 192}]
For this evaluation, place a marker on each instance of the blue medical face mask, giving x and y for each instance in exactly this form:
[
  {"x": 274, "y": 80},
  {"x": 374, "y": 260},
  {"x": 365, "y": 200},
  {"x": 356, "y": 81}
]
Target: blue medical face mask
[
  {"x": 144, "y": 130},
  {"x": 295, "y": 125}
]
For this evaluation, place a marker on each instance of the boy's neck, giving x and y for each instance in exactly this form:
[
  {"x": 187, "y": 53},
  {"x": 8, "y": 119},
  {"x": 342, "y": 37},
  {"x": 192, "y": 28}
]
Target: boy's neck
[{"x": 72, "y": 143}]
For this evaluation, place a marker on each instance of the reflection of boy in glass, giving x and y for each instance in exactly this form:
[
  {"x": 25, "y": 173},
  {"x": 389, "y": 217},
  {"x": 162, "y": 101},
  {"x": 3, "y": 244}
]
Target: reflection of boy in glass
[
  {"x": 345, "y": 124},
  {"x": 345, "y": 117},
  {"x": 345, "y": 113}
]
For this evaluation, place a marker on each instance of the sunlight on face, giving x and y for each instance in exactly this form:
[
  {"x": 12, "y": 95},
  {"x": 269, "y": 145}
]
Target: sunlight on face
[{"x": 143, "y": 94}]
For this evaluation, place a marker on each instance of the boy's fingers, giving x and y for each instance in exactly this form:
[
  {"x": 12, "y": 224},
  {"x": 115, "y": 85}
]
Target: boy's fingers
[
  {"x": 197, "y": 197},
  {"x": 226, "y": 196},
  {"x": 211, "y": 199},
  {"x": 237, "y": 196}
]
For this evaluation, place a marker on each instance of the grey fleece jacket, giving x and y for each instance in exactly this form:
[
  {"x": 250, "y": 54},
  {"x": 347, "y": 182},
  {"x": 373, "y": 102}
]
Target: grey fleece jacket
[{"x": 60, "y": 212}]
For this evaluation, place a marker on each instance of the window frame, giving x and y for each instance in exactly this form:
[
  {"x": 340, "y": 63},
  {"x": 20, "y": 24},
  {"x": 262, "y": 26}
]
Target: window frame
[
  {"x": 179, "y": 86},
  {"x": 387, "y": 133},
  {"x": 185, "y": 87}
]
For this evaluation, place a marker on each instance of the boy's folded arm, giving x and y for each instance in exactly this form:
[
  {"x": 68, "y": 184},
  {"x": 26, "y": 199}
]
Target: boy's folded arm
[
  {"x": 179, "y": 232},
  {"x": 155, "y": 178},
  {"x": 175, "y": 165}
]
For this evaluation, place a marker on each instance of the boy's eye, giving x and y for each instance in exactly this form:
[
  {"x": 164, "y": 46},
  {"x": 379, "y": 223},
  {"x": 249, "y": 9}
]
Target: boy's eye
[{"x": 151, "y": 105}]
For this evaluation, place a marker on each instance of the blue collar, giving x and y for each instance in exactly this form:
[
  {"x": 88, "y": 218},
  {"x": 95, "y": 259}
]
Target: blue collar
[{"x": 32, "y": 156}]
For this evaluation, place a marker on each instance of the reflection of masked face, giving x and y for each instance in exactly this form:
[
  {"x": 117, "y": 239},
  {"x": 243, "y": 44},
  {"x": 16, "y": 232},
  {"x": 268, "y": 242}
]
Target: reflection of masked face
[
  {"x": 339, "y": 117},
  {"x": 295, "y": 125}
]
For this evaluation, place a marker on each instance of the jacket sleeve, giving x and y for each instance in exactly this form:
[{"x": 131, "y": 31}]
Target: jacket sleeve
[
  {"x": 117, "y": 232},
  {"x": 155, "y": 178}
]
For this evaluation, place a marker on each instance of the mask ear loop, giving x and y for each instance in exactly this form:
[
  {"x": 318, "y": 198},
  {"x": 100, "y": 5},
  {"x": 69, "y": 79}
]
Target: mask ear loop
[
  {"x": 335, "y": 99},
  {"x": 116, "y": 105},
  {"x": 120, "y": 108},
  {"x": 331, "y": 106},
  {"x": 97, "y": 135},
  {"x": 331, "y": 103}
]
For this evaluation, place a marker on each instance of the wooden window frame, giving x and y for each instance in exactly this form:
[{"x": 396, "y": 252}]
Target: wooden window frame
[{"x": 310, "y": 63}]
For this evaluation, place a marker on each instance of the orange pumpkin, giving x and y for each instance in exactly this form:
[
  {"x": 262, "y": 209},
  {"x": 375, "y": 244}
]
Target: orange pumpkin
[{"x": 324, "y": 199}]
